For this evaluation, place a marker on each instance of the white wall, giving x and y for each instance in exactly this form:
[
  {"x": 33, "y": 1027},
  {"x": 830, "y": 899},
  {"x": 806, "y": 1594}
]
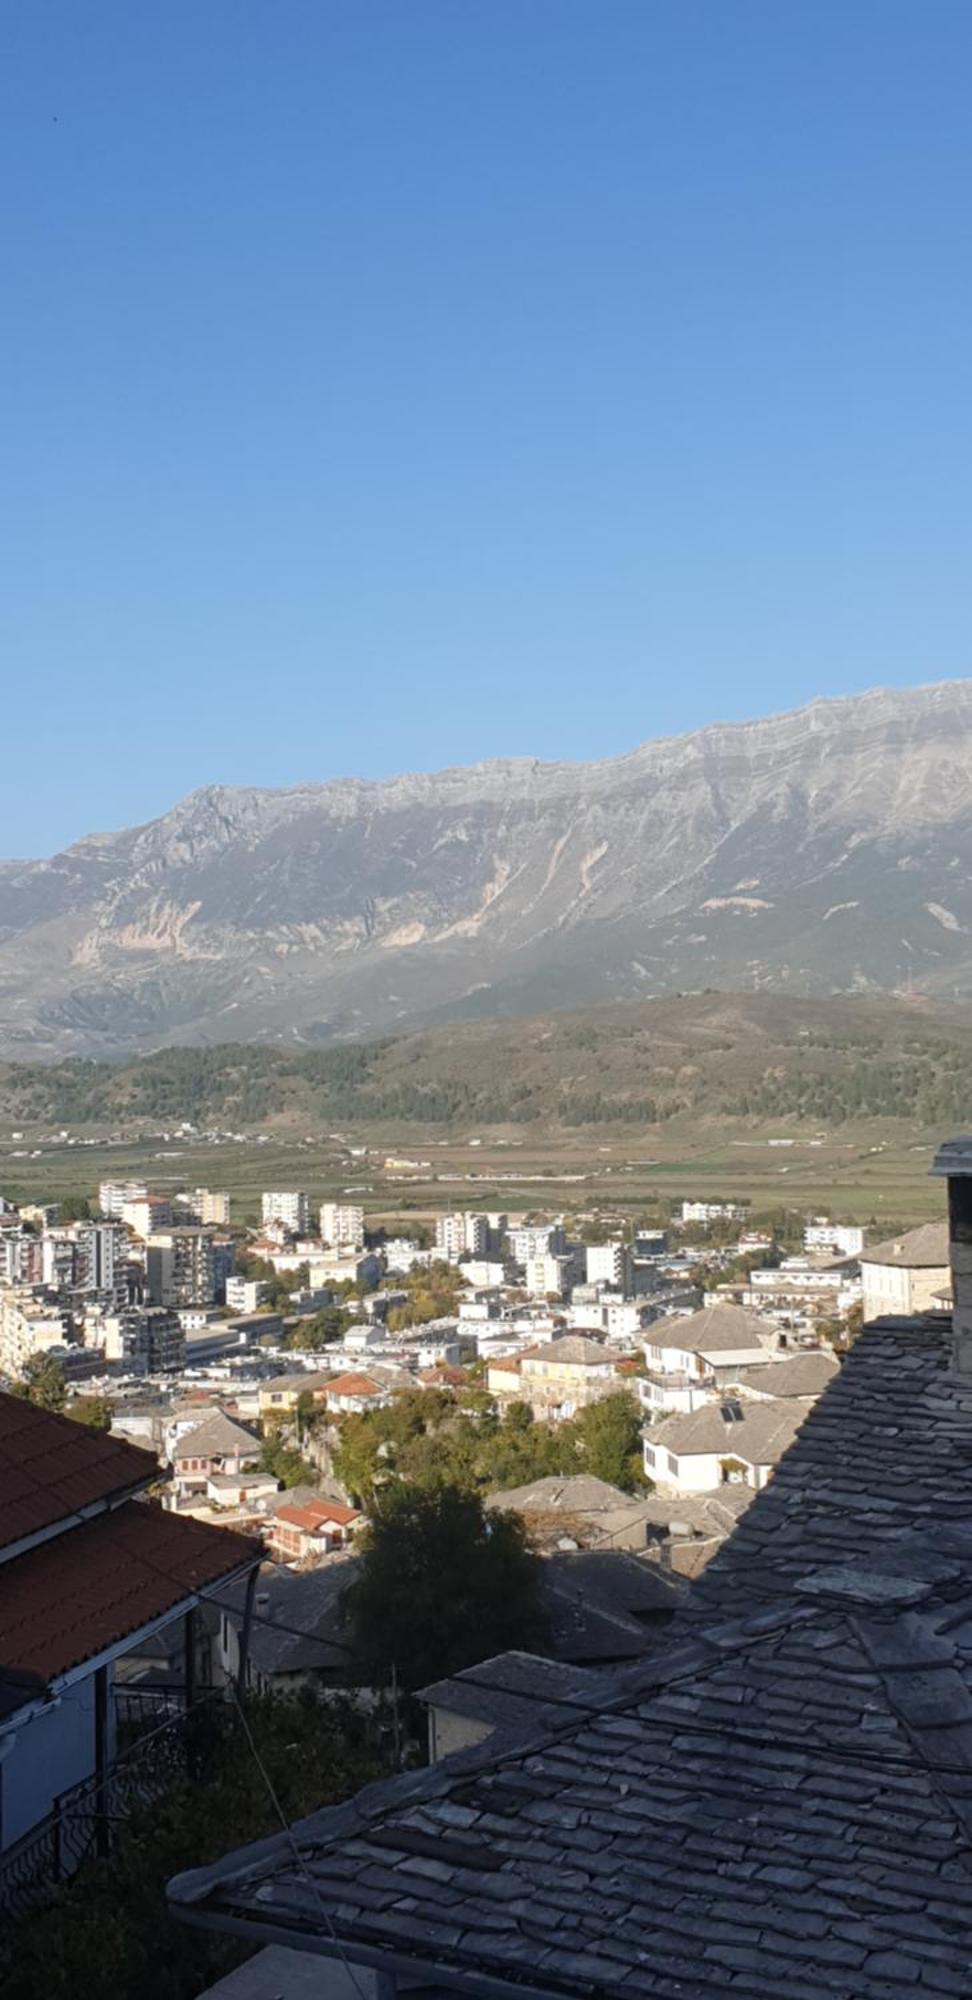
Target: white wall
[{"x": 53, "y": 1751}]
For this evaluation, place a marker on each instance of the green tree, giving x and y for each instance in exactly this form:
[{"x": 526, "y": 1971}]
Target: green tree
[
  {"x": 609, "y": 1439},
  {"x": 95, "y": 1411},
  {"x": 286, "y": 1463},
  {"x": 326, "y": 1326},
  {"x": 442, "y": 1584},
  {"x": 42, "y": 1383}
]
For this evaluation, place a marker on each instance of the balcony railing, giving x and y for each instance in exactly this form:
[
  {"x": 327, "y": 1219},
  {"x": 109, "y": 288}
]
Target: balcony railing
[{"x": 85, "y": 1821}]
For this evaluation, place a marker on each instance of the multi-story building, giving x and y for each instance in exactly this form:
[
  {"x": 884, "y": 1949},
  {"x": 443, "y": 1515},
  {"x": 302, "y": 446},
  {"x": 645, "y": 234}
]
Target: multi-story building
[
  {"x": 112, "y": 1196},
  {"x": 30, "y": 1324},
  {"x": 536, "y": 1240},
  {"x": 21, "y": 1257},
  {"x": 608, "y": 1264},
  {"x": 461, "y": 1235},
  {"x": 290, "y": 1207},
  {"x": 546, "y": 1275},
  {"x": 102, "y": 1258},
  {"x": 179, "y": 1268},
  {"x": 557, "y": 1378},
  {"x": 149, "y": 1340},
  {"x": 147, "y": 1214},
  {"x": 342, "y": 1223},
  {"x": 213, "y": 1207},
  {"x": 908, "y": 1274},
  {"x": 821, "y": 1234},
  {"x": 712, "y": 1211},
  {"x": 246, "y": 1295}
]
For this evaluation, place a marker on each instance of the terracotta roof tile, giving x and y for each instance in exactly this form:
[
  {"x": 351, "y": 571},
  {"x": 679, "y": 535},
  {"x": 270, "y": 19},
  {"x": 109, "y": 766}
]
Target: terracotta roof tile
[
  {"x": 66, "y": 1600},
  {"x": 51, "y": 1468}
]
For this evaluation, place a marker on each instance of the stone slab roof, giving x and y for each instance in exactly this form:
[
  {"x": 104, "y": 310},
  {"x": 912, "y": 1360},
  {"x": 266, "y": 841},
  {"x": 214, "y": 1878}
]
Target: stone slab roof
[
  {"x": 714, "y": 1330},
  {"x": 799, "y": 1375},
  {"x": 760, "y": 1434},
  {"x": 926, "y": 1247},
  {"x": 218, "y": 1436},
  {"x": 506, "y": 1689},
  {"x": 580, "y": 1493},
  {"x": 777, "y": 1805}
]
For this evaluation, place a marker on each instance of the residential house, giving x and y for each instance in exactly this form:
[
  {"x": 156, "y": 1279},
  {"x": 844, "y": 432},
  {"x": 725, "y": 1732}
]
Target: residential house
[
  {"x": 507, "y": 1690},
  {"x": 298, "y": 1630},
  {"x": 689, "y": 1357},
  {"x": 560, "y": 1377},
  {"x": 280, "y": 1396},
  {"x": 306, "y": 1531},
  {"x": 89, "y": 1571},
  {"x": 726, "y": 1442},
  {"x": 905, "y": 1274},
  {"x": 217, "y": 1444},
  {"x": 351, "y": 1393}
]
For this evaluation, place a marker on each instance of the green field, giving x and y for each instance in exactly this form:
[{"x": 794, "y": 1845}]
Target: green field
[{"x": 876, "y": 1174}]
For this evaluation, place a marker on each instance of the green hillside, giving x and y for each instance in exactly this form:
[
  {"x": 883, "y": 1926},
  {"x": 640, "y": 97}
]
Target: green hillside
[{"x": 709, "y": 1056}]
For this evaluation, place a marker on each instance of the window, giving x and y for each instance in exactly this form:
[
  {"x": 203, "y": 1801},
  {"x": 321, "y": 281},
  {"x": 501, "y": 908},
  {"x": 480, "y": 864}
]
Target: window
[{"x": 732, "y": 1412}]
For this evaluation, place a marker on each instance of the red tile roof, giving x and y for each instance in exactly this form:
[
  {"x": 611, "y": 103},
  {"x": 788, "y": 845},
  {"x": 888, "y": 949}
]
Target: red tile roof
[
  {"x": 317, "y": 1514},
  {"x": 354, "y": 1385},
  {"x": 71, "y": 1597},
  {"x": 50, "y": 1468}
]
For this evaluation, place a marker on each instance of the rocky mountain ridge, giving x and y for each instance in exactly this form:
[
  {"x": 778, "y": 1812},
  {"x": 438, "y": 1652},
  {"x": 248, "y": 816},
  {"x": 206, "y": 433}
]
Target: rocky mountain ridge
[{"x": 825, "y": 850}]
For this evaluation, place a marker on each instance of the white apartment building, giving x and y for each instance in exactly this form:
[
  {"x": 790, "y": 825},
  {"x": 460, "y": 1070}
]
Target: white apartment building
[
  {"x": 179, "y": 1268},
  {"x": 548, "y": 1274},
  {"x": 712, "y": 1211},
  {"x": 150, "y": 1340},
  {"x": 146, "y": 1214},
  {"x": 112, "y": 1195},
  {"x": 21, "y": 1258},
  {"x": 342, "y": 1223},
  {"x": 537, "y": 1240},
  {"x": 209, "y": 1206},
  {"x": 290, "y": 1207},
  {"x": 461, "y": 1235},
  {"x": 821, "y": 1234},
  {"x": 607, "y": 1264},
  {"x": 245, "y": 1295},
  {"x": 29, "y": 1325}
]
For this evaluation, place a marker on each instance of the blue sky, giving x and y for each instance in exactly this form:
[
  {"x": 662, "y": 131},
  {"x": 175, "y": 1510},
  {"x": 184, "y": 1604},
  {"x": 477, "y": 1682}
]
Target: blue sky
[{"x": 391, "y": 383}]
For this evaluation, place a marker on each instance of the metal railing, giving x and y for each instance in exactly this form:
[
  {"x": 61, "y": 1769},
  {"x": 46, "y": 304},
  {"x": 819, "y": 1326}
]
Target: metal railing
[{"x": 84, "y": 1821}]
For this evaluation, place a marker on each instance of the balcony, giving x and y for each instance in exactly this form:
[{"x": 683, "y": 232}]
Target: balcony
[{"x": 159, "y": 1739}]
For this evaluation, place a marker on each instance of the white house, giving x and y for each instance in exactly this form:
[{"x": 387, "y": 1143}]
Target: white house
[
  {"x": 725, "y": 1443},
  {"x": 906, "y": 1274}
]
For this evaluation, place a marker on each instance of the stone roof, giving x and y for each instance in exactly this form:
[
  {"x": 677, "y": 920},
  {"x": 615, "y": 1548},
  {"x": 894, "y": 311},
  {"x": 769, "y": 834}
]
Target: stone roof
[
  {"x": 579, "y": 1493},
  {"x": 605, "y": 1605},
  {"x": 775, "y": 1806},
  {"x": 714, "y": 1330},
  {"x": 573, "y": 1349},
  {"x": 506, "y": 1689},
  {"x": 298, "y": 1624},
  {"x": 218, "y": 1436},
  {"x": 924, "y": 1248},
  {"x": 799, "y": 1375},
  {"x": 760, "y": 1434}
]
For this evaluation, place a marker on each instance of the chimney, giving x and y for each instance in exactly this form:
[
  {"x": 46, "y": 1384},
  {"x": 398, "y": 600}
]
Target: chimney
[{"x": 953, "y": 1162}]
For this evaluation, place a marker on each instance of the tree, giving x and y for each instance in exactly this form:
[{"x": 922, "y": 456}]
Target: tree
[
  {"x": 442, "y": 1584},
  {"x": 42, "y": 1382},
  {"x": 326, "y": 1326},
  {"x": 74, "y": 1208},
  {"x": 609, "y": 1436},
  {"x": 286, "y": 1463},
  {"x": 95, "y": 1411}
]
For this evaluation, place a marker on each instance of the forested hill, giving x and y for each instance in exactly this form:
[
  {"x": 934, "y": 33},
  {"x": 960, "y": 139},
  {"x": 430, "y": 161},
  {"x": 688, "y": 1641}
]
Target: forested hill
[{"x": 711, "y": 1056}]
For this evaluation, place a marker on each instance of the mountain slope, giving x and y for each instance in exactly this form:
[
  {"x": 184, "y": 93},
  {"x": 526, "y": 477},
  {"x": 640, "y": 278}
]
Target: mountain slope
[
  {"x": 753, "y": 1056},
  {"x": 826, "y": 850}
]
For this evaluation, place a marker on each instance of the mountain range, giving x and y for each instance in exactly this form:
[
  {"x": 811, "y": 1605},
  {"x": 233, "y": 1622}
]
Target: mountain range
[{"x": 827, "y": 850}]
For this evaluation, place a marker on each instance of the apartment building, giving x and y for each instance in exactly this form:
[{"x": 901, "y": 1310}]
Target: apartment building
[
  {"x": 150, "y": 1340},
  {"x": 30, "y": 1325},
  {"x": 21, "y": 1257},
  {"x": 147, "y": 1214},
  {"x": 179, "y": 1268},
  {"x": 461, "y": 1235},
  {"x": 246, "y": 1295},
  {"x": 112, "y": 1196},
  {"x": 342, "y": 1223},
  {"x": 608, "y": 1264},
  {"x": 537, "y": 1240},
  {"x": 842, "y": 1241},
  {"x": 290, "y": 1207}
]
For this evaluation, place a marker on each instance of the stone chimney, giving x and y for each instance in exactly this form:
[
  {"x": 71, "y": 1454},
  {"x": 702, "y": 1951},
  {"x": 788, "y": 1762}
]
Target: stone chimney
[{"x": 953, "y": 1162}]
